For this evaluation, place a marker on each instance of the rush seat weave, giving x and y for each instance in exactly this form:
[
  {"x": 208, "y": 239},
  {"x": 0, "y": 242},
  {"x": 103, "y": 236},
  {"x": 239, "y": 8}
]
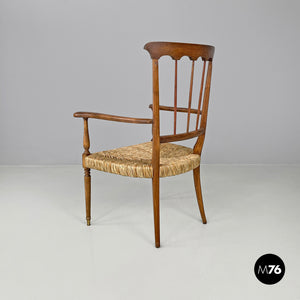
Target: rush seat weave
[{"x": 135, "y": 161}]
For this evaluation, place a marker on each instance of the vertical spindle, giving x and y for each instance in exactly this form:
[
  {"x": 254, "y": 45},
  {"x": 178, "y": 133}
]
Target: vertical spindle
[
  {"x": 206, "y": 96},
  {"x": 175, "y": 98},
  {"x": 190, "y": 97},
  {"x": 200, "y": 94}
]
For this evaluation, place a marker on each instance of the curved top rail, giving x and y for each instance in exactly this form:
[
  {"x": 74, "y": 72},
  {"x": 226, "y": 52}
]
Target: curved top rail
[{"x": 178, "y": 50}]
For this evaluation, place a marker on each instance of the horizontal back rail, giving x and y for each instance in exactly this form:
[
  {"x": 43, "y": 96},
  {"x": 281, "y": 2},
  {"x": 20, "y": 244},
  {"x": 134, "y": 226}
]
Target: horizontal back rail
[
  {"x": 178, "y": 50},
  {"x": 181, "y": 136},
  {"x": 178, "y": 109}
]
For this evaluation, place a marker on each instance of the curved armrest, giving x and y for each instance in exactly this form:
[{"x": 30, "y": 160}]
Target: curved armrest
[{"x": 93, "y": 115}]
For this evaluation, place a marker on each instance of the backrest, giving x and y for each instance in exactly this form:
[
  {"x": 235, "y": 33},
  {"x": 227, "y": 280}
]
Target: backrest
[{"x": 177, "y": 51}]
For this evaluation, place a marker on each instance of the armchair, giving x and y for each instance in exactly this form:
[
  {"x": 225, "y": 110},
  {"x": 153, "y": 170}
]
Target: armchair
[{"x": 158, "y": 157}]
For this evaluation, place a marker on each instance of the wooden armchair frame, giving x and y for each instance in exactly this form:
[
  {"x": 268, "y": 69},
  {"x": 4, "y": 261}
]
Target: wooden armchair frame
[{"x": 176, "y": 51}]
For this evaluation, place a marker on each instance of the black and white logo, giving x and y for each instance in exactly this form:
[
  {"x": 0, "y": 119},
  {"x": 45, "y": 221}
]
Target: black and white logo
[{"x": 269, "y": 269}]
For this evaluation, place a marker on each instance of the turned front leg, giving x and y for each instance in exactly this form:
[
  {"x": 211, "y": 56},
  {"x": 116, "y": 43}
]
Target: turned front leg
[
  {"x": 87, "y": 172},
  {"x": 87, "y": 186}
]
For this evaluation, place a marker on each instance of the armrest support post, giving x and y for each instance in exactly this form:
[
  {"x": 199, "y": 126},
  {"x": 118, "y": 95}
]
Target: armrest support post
[{"x": 86, "y": 141}]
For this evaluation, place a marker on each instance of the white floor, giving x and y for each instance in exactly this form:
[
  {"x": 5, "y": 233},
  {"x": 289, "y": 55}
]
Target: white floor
[{"x": 47, "y": 251}]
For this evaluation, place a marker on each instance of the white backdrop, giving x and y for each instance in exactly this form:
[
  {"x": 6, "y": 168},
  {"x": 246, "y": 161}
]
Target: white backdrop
[{"x": 61, "y": 56}]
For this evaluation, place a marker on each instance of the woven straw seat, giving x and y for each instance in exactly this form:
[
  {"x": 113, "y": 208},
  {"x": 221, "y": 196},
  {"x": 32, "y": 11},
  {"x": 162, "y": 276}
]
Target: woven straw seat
[{"x": 135, "y": 161}]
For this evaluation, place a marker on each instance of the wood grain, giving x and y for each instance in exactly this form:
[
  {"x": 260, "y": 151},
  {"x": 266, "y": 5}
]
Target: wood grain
[
  {"x": 87, "y": 188},
  {"x": 200, "y": 94},
  {"x": 190, "y": 97},
  {"x": 175, "y": 98},
  {"x": 87, "y": 176},
  {"x": 86, "y": 141},
  {"x": 197, "y": 183},
  {"x": 178, "y": 50},
  {"x": 93, "y": 115},
  {"x": 179, "y": 109},
  {"x": 156, "y": 152},
  {"x": 181, "y": 136}
]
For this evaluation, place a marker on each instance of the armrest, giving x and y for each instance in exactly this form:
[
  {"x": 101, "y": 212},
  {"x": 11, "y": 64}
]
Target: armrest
[{"x": 93, "y": 115}]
